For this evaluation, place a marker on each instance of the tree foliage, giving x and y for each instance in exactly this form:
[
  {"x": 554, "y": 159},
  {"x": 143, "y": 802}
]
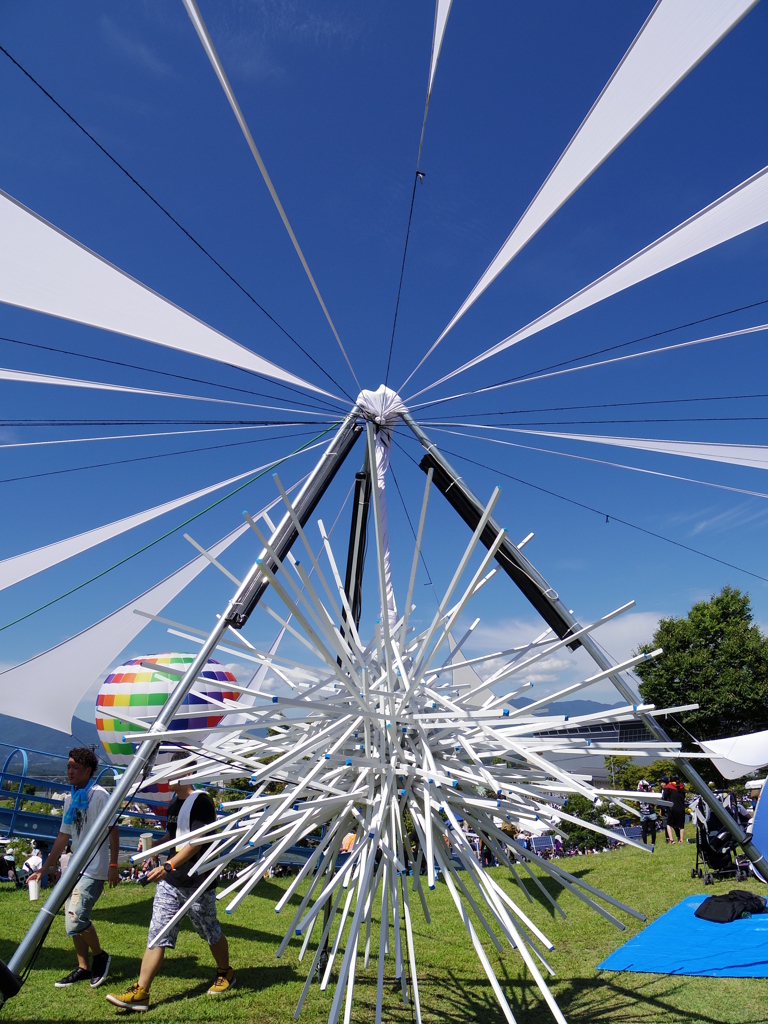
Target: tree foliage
[
  {"x": 580, "y": 837},
  {"x": 717, "y": 657},
  {"x": 627, "y": 774}
]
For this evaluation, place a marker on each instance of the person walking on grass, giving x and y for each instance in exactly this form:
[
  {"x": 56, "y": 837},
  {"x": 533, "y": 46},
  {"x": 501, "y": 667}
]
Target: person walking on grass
[
  {"x": 82, "y": 806},
  {"x": 189, "y": 810},
  {"x": 648, "y": 817}
]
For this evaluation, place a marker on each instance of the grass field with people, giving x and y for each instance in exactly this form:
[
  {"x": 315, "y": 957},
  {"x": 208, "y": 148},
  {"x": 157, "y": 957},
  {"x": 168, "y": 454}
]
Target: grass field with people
[{"x": 453, "y": 986}]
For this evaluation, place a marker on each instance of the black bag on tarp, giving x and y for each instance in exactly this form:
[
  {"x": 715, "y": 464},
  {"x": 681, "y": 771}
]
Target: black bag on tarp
[{"x": 737, "y": 903}]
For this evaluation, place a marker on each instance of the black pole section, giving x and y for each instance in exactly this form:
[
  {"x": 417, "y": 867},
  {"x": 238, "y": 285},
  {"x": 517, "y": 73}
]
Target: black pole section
[
  {"x": 515, "y": 565},
  {"x": 358, "y": 536},
  {"x": 249, "y": 594},
  {"x": 10, "y": 983},
  {"x": 555, "y": 607}
]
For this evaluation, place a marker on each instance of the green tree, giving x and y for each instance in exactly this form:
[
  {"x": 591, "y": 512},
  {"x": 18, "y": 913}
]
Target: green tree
[
  {"x": 578, "y": 836},
  {"x": 715, "y": 657}
]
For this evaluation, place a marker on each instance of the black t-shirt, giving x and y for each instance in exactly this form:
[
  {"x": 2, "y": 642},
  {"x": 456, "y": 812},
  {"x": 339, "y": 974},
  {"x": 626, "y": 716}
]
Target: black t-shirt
[
  {"x": 203, "y": 813},
  {"x": 675, "y": 792}
]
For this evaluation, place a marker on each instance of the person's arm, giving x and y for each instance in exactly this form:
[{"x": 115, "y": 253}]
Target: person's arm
[
  {"x": 203, "y": 813},
  {"x": 179, "y": 858},
  {"x": 113, "y": 872},
  {"x": 59, "y": 845}
]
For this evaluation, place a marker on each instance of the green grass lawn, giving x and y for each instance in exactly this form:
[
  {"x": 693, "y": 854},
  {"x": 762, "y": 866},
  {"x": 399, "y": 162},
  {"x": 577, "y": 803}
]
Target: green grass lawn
[{"x": 452, "y": 984}]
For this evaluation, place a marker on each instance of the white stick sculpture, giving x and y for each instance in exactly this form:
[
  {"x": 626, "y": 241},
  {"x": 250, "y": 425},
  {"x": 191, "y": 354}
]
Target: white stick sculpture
[{"x": 379, "y": 730}]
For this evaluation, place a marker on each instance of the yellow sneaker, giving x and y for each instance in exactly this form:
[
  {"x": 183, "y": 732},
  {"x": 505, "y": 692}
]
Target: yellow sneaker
[
  {"x": 225, "y": 980},
  {"x": 136, "y": 998}
]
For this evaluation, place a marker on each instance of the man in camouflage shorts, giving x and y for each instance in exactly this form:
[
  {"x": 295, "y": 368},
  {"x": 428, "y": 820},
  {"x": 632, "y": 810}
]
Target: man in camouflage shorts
[{"x": 188, "y": 811}]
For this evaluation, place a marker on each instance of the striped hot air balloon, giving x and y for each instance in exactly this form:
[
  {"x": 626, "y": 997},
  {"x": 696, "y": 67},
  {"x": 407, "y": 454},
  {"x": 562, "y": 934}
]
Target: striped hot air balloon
[{"x": 138, "y": 692}]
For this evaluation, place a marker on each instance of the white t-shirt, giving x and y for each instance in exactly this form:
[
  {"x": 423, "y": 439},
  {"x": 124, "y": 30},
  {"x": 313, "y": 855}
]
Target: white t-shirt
[
  {"x": 33, "y": 863},
  {"x": 98, "y": 866}
]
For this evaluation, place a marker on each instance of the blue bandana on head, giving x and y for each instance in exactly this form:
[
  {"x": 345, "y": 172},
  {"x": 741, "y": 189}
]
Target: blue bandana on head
[{"x": 78, "y": 802}]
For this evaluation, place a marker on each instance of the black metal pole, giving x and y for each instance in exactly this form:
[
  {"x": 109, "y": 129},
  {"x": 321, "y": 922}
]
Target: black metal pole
[{"x": 546, "y": 600}]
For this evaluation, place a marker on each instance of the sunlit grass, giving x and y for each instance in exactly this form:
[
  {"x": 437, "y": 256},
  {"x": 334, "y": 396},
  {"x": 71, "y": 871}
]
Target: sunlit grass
[{"x": 452, "y": 984}]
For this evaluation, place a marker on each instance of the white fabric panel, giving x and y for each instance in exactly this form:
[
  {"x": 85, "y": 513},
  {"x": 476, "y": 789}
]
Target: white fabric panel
[
  {"x": 21, "y": 567},
  {"x": 738, "y": 755},
  {"x": 442, "y": 10},
  {"x": 130, "y": 437},
  {"x": 753, "y": 455},
  {"x": 675, "y": 37},
  {"x": 197, "y": 20},
  {"x": 743, "y": 208},
  {"x": 384, "y": 407},
  {"x": 26, "y": 377},
  {"x": 48, "y": 687},
  {"x": 43, "y": 269}
]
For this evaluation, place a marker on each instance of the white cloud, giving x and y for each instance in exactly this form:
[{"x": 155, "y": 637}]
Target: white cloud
[
  {"x": 136, "y": 51},
  {"x": 246, "y": 35},
  {"x": 621, "y": 638}
]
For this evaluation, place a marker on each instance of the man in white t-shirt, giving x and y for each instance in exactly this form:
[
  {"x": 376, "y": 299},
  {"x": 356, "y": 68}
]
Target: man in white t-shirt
[
  {"x": 82, "y": 806},
  {"x": 34, "y": 862}
]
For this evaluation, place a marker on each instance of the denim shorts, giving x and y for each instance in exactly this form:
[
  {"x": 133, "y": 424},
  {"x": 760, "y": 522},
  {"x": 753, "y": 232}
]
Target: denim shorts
[
  {"x": 168, "y": 902},
  {"x": 77, "y": 910}
]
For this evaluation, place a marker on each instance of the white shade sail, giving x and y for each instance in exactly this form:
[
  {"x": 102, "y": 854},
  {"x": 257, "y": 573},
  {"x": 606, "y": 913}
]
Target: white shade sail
[
  {"x": 48, "y": 687},
  {"x": 753, "y": 455},
  {"x": 742, "y": 209},
  {"x": 675, "y": 37},
  {"x": 43, "y": 269},
  {"x": 738, "y": 755},
  {"x": 28, "y": 377},
  {"x": 21, "y": 567},
  {"x": 442, "y": 10}
]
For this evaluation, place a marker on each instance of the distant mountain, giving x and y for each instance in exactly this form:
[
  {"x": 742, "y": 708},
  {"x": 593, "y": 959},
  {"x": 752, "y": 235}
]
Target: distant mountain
[{"x": 15, "y": 732}]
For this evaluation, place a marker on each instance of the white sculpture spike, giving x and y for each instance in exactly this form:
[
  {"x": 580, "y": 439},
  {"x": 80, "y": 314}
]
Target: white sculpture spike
[{"x": 374, "y": 732}]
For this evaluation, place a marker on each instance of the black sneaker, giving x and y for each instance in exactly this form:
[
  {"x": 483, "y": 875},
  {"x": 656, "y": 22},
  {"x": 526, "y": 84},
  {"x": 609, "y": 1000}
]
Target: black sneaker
[
  {"x": 100, "y": 969},
  {"x": 322, "y": 963},
  {"x": 73, "y": 977}
]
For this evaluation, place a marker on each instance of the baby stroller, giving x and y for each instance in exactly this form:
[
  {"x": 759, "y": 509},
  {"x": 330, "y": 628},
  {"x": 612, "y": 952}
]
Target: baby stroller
[{"x": 715, "y": 848}]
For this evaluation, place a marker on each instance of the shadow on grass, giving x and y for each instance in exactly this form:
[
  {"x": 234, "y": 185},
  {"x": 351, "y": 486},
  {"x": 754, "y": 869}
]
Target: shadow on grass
[
  {"x": 460, "y": 999},
  {"x": 552, "y": 886}
]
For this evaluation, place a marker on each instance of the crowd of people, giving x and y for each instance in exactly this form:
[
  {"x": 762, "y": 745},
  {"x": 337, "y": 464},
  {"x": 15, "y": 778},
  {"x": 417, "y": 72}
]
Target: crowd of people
[{"x": 191, "y": 809}]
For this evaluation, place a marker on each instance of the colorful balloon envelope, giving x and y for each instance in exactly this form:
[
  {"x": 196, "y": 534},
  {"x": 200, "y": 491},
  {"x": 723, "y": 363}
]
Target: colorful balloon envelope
[{"x": 138, "y": 693}]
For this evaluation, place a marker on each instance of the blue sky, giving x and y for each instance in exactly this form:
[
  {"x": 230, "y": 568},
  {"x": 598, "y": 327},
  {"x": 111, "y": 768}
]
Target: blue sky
[{"x": 334, "y": 97}]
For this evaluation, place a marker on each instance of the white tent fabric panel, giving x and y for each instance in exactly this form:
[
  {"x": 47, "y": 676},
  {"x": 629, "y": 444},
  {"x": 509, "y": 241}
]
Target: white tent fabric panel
[
  {"x": 204, "y": 36},
  {"x": 442, "y": 10},
  {"x": 43, "y": 269},
  {"x": 27, "y": 377},
  {"x": 54, "y": 682},
  {"x": 738, "y": 755},
  {"x": 674, "y": 38},
  {"x": 743, "y": 208},
  {"x": 21, "y": 567},
  {"x": 753, "y": 455}
]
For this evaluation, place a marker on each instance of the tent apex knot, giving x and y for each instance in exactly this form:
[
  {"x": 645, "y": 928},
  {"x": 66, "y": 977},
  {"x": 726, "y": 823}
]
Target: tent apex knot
[{"x": 383, "y": 406}]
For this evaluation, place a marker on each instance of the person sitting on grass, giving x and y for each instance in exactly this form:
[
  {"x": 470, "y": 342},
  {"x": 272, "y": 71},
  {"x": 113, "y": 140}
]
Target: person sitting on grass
[
  {"x": 82, "y": 806},
  {"x": 189, "y": 810}
]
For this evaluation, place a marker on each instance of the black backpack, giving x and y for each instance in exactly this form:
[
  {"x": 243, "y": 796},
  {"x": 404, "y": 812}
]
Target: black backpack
[{"x": 737, "y": 903}]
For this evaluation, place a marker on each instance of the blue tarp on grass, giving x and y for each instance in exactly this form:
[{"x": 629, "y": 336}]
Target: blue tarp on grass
[{"x": 680, "y": 943}]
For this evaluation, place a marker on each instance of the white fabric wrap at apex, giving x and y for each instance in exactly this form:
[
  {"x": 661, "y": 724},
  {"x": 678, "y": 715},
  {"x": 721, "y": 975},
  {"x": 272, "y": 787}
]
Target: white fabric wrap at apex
[{"x": 383, "y": 407}]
